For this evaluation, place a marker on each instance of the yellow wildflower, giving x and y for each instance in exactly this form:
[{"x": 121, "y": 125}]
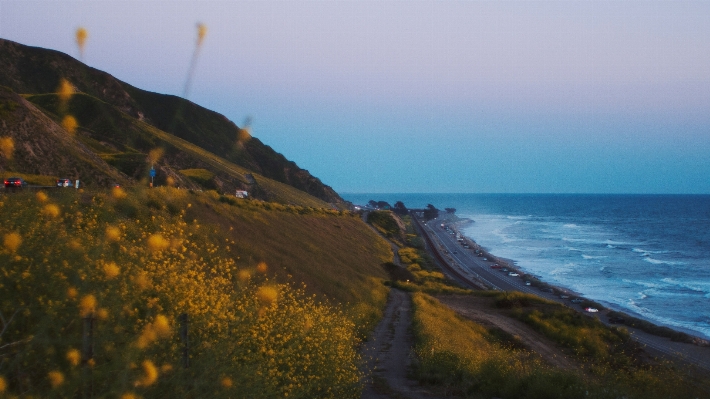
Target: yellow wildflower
[
  {"x": 227, "y": 382},
  {"x": 150, "y": 374},
  {"x": 56, "y": 378},
  {"x": 142, "y": 281},
  {"x": 72, "y": 292},
  {"x": 118, "y": 193},
  {"x": 201, "y": 33},
  {"x": 3, "y": 384},
  {"x": 87, "y": 305},
  {"x": 102, "y": 314},
  {"x": 51, "y": 210},
  {"x": 12, "y": 241},
  {"x": 111, "y": 270},
  {"x": 129, "y": 395},
  {"x": 81, "y": 35},
  {"x": 7, "y": 146},
  {"x": 267, "y": 295},
  {"x": 159, "y": 328},
  {"x": 65, "y": 90},
  {"x": 155, "y": 154},
  {"x": 261, "y": 267},
  {"x": 113, "y": 233},
  {"x": 157, "y": 243},
  {"x": 70, "y": 124},
  {"x": 244, "y": 275},
  {"x": 74, "y": 357},
  {"x": 41, "y": 196}
]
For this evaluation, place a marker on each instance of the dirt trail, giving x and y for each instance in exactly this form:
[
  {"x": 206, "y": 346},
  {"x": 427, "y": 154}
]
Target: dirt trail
[
  {"x": 389, "y": 353},
  {"x": 480, "y": 310}
]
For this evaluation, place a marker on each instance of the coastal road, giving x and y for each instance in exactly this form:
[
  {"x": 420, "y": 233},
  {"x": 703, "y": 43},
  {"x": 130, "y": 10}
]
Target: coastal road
[{"x": 467, "y": 265}]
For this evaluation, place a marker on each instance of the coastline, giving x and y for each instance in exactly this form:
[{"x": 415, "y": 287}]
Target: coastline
[{"x": 620, "y": 316}]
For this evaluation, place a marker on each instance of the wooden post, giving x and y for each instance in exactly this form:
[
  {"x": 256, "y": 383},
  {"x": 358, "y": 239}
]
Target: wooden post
[
  {"x": 87, "y": 353},
  {"x": 183, "y": 337}
]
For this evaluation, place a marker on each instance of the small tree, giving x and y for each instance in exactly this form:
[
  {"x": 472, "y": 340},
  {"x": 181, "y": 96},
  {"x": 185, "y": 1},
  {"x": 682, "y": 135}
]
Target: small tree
[
  {"x": 431, "y": 212},
  {"x": 399, "y": 208}
]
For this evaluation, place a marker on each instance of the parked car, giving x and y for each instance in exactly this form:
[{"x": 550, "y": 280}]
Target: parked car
[
  {"x": 513, "y": 274},
  {"x": 577, "y": 300},
  {"x": 527, "y": 283},
  {"x": 564, "y": 296},
  {"x": 15, "y": 182},
  {"x": 495, "y": 266},
  {"x": 591, "y": 310},
  {"x": 64, "y": 183}
]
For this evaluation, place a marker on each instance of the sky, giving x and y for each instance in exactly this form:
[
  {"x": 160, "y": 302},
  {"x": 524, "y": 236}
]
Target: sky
[{"x": 424, "y": 96}]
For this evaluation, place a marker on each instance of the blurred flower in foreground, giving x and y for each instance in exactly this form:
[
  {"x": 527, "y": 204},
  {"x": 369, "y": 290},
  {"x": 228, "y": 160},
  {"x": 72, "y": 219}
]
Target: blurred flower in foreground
[
  {"x": 118, "y": 193},
  {"x": 111, "y": 270},
  {"x": 56, "y": 378},
  {"x": 7, "y": 147},
  {"x": 261, "y": 267},
  {"x": 87, "y": 306},
  {"x": 74, "y": 357},
  {"x": 157, "y": 243},
  {"x": 81, "y": 35},
  {"x": 227, "y": 382},
  {"x": 150, "y": 376},
  {"x": 70, "y": 124},
  {"x": 12, "y": 241},
  {"x": 267, "y": 295},
  {"x": 201, "y": 33},
  {"x": 41, "y": 196},
  {"x": 113, "y": 233},
  {"x": 65, "y": 90},
  {"x": 155, "y": 154}
]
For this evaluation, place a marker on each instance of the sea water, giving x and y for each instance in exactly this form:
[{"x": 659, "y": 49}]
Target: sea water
[{"x": 648, "y": 255}]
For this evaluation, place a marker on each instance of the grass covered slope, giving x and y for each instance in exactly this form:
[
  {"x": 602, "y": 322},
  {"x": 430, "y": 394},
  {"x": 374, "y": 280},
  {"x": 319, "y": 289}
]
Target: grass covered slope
[
  {"x": 133, "y": 261},
  {"x": 467, "y": 359},
  {"x": 36, "y": 71},
  {"x": 125, "y": 142}
]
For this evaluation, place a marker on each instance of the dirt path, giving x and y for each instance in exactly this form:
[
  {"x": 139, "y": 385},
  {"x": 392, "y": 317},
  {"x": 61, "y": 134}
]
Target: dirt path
[
  {"x": 480, "y": 310},
  {"x": 389, "y": 353}
]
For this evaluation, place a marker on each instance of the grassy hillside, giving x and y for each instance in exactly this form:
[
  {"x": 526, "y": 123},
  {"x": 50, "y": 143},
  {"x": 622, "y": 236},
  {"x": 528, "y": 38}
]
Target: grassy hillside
[
  {"x": 470, "y": 360},
  {"x": 124, "y": 142},
  {"x": 133, "y": 261},
  {"x": 36, "y": 71},
  {"x": 42, "y": 147}
]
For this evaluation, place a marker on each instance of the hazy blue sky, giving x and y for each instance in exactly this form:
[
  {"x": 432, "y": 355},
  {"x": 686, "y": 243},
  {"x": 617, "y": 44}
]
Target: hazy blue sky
[{"x": 569, "y": 97}]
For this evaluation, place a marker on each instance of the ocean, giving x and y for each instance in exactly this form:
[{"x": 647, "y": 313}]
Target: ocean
[{"x": 647, "y": 255}]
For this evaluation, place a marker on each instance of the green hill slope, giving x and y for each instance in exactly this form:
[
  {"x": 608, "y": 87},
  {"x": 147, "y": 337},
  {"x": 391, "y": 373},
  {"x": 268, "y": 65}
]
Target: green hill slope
[{"x": 31, "y": 70}]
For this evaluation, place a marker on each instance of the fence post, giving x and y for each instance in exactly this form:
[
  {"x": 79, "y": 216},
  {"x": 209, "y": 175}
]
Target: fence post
[
  {"x": 183, "y": 337},
  {"x": 87, "y": 354}
]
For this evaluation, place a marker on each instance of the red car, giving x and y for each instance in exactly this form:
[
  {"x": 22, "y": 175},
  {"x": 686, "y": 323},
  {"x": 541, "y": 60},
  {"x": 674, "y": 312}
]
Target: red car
[{"x": 15, "y": 182}]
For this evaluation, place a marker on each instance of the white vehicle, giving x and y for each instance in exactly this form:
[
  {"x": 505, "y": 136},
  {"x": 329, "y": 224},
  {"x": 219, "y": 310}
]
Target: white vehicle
[
  {"x": 591, "y": 310},
  {"x": 513, "y": 274}
]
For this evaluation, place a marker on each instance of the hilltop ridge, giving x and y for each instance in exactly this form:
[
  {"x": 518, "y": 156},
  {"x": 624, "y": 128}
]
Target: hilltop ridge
[{"x": 121, "y": 124}]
